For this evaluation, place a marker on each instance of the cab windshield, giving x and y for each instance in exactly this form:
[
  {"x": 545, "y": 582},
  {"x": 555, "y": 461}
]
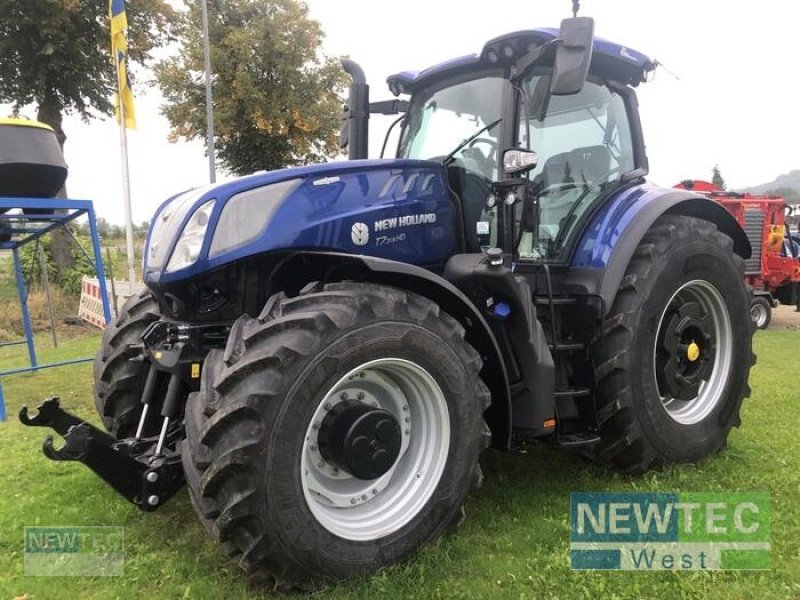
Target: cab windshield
[{"x": 440, "y": 120}]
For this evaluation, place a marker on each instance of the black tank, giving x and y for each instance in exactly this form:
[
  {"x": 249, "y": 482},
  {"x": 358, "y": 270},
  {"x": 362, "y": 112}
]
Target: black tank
[{"x": 31, "y": 162}]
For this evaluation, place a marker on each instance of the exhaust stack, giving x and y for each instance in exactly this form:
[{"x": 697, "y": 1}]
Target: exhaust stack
[{"x": 355, "y": 118}]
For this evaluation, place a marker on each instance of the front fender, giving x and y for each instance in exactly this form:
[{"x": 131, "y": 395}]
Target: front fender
[
  {"x": 616, "y": 229},
  {"x": 303, "y": 266}
]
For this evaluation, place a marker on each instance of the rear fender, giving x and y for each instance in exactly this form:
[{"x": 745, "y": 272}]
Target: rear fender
[{"x": 616, "y": 230}]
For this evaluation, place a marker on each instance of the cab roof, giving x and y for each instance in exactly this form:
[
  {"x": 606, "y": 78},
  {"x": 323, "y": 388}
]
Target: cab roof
[{"x": 611, "y": 60}]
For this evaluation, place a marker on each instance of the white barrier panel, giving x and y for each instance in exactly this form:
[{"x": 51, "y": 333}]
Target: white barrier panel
[{"x": 90, "y": 308}]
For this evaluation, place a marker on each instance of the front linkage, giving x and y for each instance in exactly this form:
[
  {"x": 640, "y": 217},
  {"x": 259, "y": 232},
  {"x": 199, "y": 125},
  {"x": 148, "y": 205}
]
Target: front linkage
[
  {"x": 131, "y": 466},
  {"x": 146, "y": 471}
]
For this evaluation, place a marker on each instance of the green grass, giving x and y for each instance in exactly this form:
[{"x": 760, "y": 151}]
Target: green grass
[{"x": 514, "y": 544}]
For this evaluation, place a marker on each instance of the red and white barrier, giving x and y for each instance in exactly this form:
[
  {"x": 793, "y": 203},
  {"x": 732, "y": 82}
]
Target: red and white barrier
[{"x": 90, "y": 308}]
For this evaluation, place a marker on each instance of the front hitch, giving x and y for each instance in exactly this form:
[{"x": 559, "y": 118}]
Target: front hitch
[{"x": 133, "y": 467}]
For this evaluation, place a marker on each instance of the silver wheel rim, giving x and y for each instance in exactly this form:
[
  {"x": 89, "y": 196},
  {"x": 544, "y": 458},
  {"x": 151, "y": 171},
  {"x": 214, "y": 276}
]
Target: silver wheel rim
[
  {"x": 758, "y": 313},
  {"x": 363, "y": 510},
  {"x": 694, "y": 410}
]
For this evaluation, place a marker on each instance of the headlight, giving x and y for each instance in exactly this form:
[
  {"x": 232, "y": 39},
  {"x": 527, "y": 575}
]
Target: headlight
[
  {"x": 187, "y": 250},
  {"x": 245, "y": 216}
]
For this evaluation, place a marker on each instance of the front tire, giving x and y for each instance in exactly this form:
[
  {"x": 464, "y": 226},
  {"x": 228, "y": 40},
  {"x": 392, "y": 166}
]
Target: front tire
[
  {"x": 118, "y": 380},
  {"x": 267, "y": 471},
  {"x": 673, "y": 362}
]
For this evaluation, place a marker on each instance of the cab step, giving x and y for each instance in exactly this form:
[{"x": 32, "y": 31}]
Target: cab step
[
  {"x": 572, "y": 393},
  {"x": 582, "y": 438},
  {"x": 567, "y": 346},
  {"x": 555, "y": 300}
]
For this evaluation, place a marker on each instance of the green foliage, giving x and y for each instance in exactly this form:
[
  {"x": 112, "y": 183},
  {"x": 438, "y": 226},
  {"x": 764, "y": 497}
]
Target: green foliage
[
  {"x": 57, "y": 53},
  {"x": 275, "y": 96},
  {"x": 68, "y": 279},
  {"x": 31, "y": 263},
  {"x": 716, "y": 178},
  {"x": 108, "y": 231}
]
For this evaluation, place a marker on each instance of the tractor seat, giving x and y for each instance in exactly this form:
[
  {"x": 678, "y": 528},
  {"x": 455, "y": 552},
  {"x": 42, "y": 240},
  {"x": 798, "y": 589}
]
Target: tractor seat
[{"x": 580, "y": 166}]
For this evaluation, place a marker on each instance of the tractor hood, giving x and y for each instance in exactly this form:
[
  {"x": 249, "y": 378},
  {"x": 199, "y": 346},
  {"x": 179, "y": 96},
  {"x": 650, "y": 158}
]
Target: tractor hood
[{"x": 396, "y": 209}]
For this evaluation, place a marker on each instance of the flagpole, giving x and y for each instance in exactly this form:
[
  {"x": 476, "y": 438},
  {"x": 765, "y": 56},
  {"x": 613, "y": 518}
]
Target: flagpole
[
  {"x": 126, "y": 183},
  {"x": 212, "y": 167}
]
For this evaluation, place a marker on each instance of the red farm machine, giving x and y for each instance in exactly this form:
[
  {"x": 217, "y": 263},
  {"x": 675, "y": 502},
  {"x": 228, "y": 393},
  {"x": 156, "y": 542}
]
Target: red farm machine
[{"x": 773, "y": 269}]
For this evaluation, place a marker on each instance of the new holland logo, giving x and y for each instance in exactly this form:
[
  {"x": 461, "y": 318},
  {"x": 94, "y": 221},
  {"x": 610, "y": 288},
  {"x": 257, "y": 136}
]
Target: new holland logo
[{"x": 359, "y": 233}]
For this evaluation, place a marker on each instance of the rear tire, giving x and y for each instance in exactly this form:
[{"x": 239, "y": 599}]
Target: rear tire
[
  {"x": 761, "y": 312},
  {"x": 672, "y": 364},
  {"x": 118, "y": 380},
  {"x": 255, "y": 463}
]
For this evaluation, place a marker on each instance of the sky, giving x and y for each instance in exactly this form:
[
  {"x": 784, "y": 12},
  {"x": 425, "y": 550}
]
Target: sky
[{"x": 732, "y": 101}]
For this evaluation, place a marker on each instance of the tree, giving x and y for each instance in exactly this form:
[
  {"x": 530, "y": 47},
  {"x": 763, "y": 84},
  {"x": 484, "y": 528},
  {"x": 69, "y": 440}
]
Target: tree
[
  {"x": 276, "y": 96},
  {"x": 57, "y": 53},
  {"x": 103, "y": 228},
  {"x": 789, "y": 195},
  {"x": 716, "y": 178}
]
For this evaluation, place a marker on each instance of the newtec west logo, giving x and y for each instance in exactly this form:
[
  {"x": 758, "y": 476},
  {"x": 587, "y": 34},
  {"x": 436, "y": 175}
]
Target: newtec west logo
[
  {"x": 82, "y": 551},
  {"x": 673, "y": 532}
]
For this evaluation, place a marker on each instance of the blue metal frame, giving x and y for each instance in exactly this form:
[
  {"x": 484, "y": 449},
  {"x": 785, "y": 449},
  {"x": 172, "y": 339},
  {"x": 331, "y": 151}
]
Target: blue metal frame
[
  {"x": 26, "y": 228},
  {"x": 23, "y": 302}
]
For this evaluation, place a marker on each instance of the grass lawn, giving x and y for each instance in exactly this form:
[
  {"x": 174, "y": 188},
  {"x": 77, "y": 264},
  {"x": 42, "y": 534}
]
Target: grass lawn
[{"x": 514, "y": 544}]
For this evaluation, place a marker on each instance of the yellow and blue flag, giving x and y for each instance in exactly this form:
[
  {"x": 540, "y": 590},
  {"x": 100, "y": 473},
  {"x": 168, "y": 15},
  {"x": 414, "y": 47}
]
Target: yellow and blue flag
[{"x": 119, "y": 48}]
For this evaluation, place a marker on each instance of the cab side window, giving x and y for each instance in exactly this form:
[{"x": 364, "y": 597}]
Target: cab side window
[{"x": 584, "y": 143}]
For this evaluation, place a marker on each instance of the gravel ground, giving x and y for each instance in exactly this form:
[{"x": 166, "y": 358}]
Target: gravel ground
[{"x": 785, "y": 317}]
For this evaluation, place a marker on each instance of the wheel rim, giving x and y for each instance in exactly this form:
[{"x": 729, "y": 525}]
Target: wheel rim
[
  {"x": 758, "y": 313},
  {"x": 693, "y": 352},
  {"x": 368, "y": 509}
]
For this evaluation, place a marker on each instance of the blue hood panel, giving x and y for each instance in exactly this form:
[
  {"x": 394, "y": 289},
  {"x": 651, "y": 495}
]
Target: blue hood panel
[{"x": 394, "y": 209}]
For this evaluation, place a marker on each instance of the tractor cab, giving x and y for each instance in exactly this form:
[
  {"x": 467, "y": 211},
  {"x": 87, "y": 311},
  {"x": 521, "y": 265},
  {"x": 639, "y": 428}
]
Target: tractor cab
[{"x": 504, "y": 121}]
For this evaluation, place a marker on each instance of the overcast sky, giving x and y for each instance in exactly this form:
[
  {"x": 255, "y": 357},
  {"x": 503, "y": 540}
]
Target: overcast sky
[{"x": 736, "y": 103}]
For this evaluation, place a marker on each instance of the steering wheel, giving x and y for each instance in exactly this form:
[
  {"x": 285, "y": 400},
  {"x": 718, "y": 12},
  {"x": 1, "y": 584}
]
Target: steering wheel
[
  {"x": 489, "y": 142},
  {"x": 486, "y": 163}
]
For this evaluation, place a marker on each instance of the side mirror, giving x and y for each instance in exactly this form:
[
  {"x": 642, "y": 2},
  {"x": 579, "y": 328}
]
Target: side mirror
[
  {"x": 519, "y": 160},
  {"x": 573, "y": 56}
]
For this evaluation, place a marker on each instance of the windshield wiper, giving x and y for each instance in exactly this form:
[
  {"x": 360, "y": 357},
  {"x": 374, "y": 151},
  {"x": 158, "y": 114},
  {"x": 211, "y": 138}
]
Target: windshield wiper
[
  {"x": 570, "y": 216},
  {"x": 449, "y": 158}
]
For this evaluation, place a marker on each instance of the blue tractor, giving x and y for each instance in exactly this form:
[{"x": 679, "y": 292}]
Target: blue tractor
[{"x": 322, "y": 353}]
